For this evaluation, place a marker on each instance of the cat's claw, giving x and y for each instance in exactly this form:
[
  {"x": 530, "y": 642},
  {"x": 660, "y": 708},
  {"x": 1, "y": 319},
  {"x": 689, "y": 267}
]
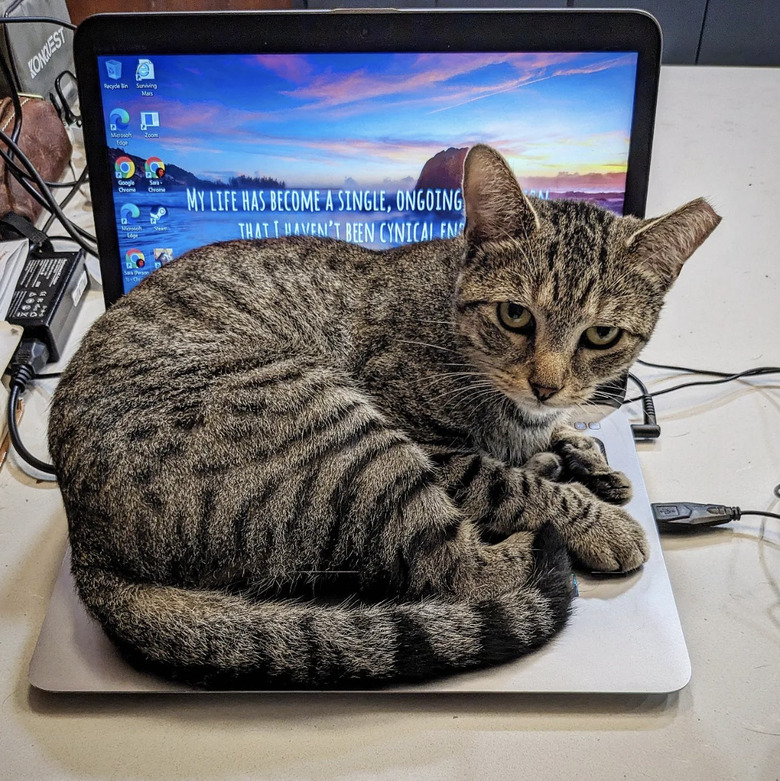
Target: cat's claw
[{"x": 584, "y": 462}]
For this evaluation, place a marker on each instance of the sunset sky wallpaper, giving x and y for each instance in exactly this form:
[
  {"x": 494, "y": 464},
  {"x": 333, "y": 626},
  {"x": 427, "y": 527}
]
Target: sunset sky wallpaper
[{"x": 561, "y": 119}]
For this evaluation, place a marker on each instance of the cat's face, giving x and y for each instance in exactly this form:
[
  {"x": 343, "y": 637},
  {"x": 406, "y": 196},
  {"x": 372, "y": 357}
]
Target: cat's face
[{"x": 555, "y": 298}]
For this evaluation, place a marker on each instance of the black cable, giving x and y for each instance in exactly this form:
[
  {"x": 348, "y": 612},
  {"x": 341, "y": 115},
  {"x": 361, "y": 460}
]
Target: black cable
[
  {"x": 725, "y": 377},
  {"x": 64, "y": 238},
  {"x": 757, "y": 372},
  {"x": 761, "y": 512},
  {"x": 48, "y": 375},
  {"x": 6, "y": 67},
  {"x": 37, "y": 20},
  {"x": 77, "y": 185},
  {"x": 17, "y": 104},
  {"x": 12, "y": 6},
  {"x": 23, "y": 452},
  {"x": 30, "y": 357},
  {"x": 70, "y": 117},
  {"x": 682, "y": 368},
  {"x": 20, "y": 175},
  {"x": 649, "y": 429},
  {"x": 45, "y": 196},
  {"x": 758, "y": 369}
]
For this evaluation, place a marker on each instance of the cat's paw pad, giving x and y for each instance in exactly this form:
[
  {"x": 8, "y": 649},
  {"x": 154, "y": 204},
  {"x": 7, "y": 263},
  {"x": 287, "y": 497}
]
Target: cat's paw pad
[
  {"x": 547, "y": 465},
  {"x": 607, "y": 539}
]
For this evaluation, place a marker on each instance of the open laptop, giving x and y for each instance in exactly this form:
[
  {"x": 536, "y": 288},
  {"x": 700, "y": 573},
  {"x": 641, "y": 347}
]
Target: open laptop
[{"x": 354, "y": 125}]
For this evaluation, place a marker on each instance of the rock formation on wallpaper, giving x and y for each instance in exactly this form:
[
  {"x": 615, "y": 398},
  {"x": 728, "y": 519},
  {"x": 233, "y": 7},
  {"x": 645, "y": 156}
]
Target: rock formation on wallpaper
[{"x": 444, "y": 171}]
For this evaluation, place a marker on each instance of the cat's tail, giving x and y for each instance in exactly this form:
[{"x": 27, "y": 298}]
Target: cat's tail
[{"x": 219, "y": 640}]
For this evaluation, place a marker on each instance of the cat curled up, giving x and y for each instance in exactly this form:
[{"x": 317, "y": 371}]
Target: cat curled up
[{"x": 301, "y": 463}]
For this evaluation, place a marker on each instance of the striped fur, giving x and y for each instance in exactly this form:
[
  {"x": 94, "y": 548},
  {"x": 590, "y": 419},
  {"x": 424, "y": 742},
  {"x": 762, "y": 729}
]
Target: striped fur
[{"x": 301, "y": 463}]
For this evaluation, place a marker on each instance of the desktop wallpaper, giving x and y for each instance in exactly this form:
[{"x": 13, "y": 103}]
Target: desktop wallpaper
[{"x": 363, "y": 147}]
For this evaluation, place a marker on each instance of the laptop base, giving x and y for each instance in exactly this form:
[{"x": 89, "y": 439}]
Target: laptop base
[{"x": 624, "y": 635}]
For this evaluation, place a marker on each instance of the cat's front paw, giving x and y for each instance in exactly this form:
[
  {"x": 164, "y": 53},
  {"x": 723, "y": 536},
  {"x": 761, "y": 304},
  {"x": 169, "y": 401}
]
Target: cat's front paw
[
  {"x": 584, "y": 462},
  {"x": 547, "y": 465},
  {"x": 604, "y": 538}
]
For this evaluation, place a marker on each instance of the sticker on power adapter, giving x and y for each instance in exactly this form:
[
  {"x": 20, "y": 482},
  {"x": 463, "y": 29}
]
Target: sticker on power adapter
[
  {"x": 36, "y": 289},
  {"x": 81, "y": 286}
]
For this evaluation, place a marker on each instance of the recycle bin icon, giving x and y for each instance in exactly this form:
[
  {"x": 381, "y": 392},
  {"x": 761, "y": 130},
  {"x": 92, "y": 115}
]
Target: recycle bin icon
[{"x": 114, "y": 69}]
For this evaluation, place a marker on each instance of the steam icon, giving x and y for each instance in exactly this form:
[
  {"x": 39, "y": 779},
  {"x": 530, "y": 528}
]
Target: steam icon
[{"x": 156, "y": 214}]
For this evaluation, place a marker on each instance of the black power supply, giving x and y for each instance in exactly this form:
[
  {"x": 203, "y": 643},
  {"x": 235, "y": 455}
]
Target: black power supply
[
  {"x": 48, "y": 296},
  {"x": 46, "y": 302}
]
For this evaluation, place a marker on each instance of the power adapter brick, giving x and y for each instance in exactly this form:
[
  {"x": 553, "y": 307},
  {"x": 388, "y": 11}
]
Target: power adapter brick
[{"x": 48, "y": 298}]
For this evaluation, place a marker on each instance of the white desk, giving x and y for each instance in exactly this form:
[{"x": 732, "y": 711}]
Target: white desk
[{"x": 717, "y": 135}]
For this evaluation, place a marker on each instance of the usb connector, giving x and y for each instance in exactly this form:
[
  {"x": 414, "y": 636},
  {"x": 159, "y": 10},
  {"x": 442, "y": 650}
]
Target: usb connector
[
  {"x": 684, "y": 516},
  {"x": 687, "y": 516}
]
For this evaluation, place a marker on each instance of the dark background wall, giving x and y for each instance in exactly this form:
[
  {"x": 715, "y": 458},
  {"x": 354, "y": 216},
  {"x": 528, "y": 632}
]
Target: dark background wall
[{"x": 707, "y": 32}]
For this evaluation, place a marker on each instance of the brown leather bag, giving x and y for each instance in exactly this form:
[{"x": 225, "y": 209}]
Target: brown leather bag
[{"x": 45, "y": 142}]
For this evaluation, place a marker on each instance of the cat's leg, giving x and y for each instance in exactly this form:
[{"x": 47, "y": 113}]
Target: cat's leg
[
  {"x": 581, "y": 460},
  {"x": 329, "y": 488},
  {"x": 501, "y": 499}
]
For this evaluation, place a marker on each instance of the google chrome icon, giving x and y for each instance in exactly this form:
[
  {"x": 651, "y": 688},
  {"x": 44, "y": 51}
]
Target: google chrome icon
[
  {"x": 124, "y": 167},
  {"x": 155, "y": 168},
  {"x": 118, "y": 119},
  {"x": 135, "y": 257}
]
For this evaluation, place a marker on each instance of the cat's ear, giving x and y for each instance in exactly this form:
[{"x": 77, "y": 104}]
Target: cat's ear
[
  {"x": 662, "y": 245},
  {"x": 496, "y": 207}
]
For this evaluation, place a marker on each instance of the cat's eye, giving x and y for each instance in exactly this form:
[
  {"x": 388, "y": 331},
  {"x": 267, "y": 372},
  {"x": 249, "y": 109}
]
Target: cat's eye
[
  {"x": 515, "y": 317},
  {"x": 600, "y": 337}
]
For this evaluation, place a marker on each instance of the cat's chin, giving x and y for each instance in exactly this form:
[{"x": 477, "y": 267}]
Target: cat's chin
[{"x": 538, "y": 410}]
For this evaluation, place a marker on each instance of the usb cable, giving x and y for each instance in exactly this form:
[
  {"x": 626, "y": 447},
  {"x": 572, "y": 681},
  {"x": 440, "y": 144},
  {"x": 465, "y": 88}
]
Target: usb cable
[{"x": 687, "y": 516}]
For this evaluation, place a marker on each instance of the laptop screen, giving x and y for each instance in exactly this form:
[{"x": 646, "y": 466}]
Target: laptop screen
[{"x": 365, "y": 147}]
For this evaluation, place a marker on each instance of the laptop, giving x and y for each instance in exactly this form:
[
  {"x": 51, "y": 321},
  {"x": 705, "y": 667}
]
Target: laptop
[{"x": 354, "y": 125}]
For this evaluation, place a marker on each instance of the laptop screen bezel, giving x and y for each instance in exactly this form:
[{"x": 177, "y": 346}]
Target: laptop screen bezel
[{"x": 286, "y": 32}]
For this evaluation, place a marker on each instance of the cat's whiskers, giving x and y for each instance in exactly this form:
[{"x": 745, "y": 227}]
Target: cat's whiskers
[
  {"x": 453, "y": 393},
  {"x": 442, "y": 376},
  {"x": 481, "y": 397},
  {"x": 437, "y": 322},
  {"x": 475, "y": 398},
  {"x": 427, "y": 344},
  {"x": 586, "y": 407}
]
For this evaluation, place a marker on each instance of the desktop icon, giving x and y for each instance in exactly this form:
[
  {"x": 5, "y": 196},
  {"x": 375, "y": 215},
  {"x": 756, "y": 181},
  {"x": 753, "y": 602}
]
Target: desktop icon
[
  {"x": 162, "y": 256},
  {"x": 124, "y": 167},
  {"x": 118, "y": 119},
  {"x": 150, "y": 119},
  {"x": 135, "y": 258},
  {"x": 154, "y": 168},
  {"x": 157, "y": 214},
  {"x": 128, "y": 213},
  {"x": 144, "y": 71},
  {"x": 114, "y": 69}
]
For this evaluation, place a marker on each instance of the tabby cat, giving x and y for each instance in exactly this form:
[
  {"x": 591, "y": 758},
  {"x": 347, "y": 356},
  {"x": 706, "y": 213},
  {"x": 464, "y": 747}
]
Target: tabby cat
[{"x": 302, "y": 463}]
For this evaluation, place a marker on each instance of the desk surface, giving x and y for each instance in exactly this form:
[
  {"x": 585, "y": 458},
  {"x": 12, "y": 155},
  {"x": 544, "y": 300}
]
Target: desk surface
[{"x": 716, "y": 135}]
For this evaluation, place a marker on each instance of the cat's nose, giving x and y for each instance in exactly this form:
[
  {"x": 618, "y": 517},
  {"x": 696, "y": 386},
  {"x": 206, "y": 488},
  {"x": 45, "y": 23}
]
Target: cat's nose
[{"x": 542, "y": 392}]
